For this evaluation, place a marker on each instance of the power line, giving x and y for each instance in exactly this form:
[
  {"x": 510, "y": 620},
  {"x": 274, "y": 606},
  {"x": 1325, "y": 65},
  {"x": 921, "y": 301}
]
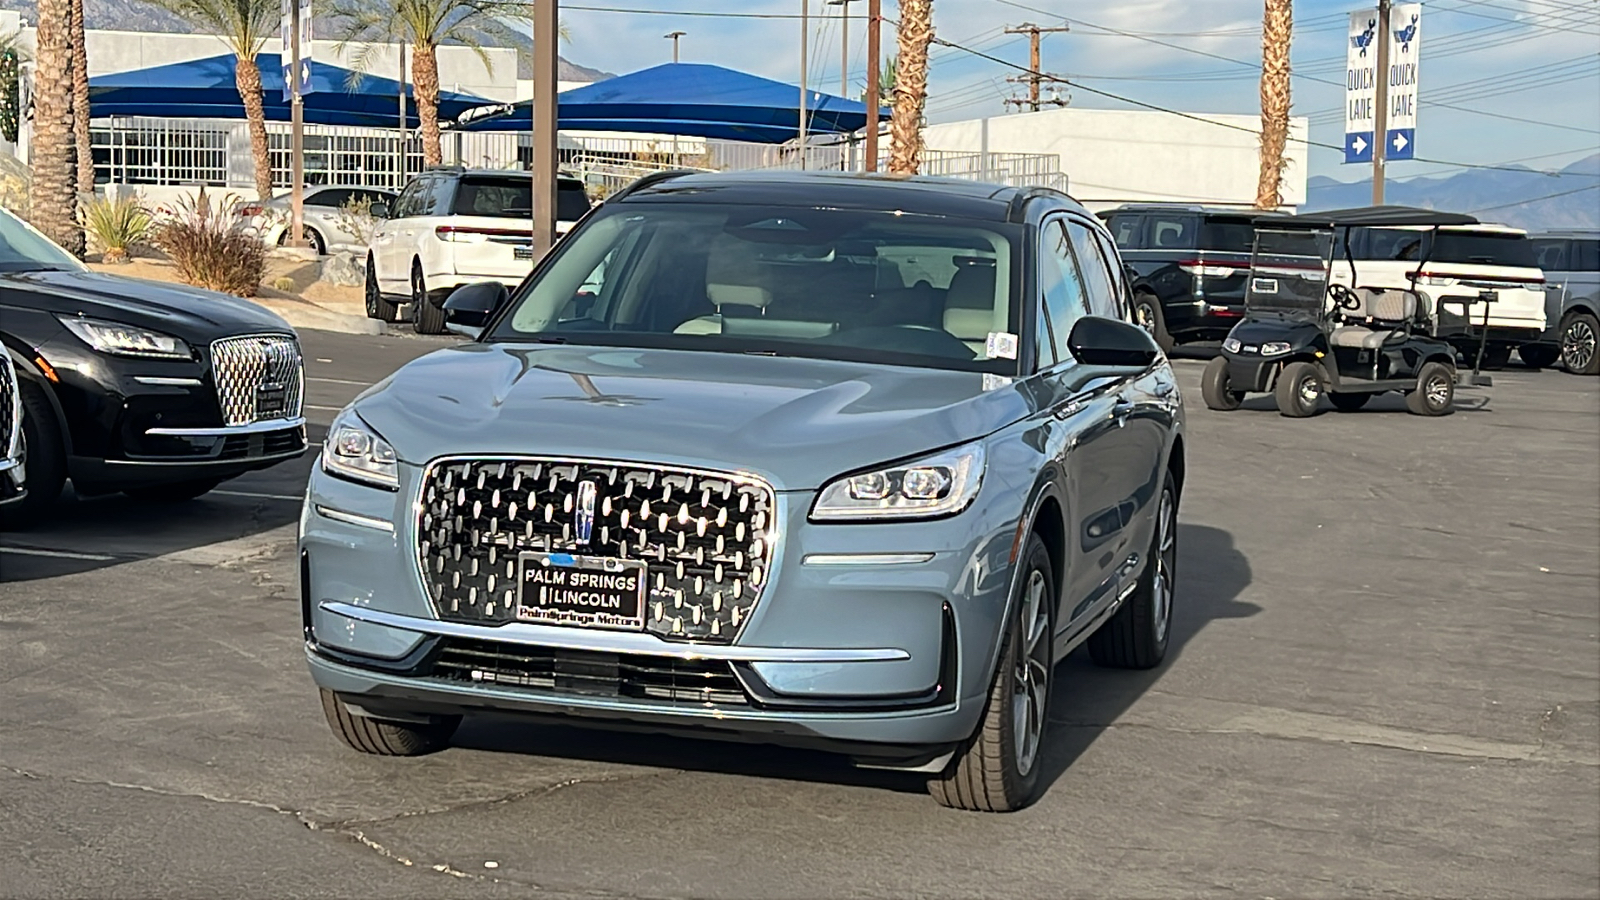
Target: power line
[{"x": 1587, "y": 187}]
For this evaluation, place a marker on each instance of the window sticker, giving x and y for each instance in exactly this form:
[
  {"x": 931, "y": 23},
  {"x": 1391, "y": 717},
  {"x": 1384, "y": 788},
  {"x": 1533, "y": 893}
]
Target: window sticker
[{"x": 1001, "y": 345}]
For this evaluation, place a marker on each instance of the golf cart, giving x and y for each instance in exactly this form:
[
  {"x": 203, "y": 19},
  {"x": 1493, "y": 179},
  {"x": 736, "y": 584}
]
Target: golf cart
[{"x": 1304, "y": 335}]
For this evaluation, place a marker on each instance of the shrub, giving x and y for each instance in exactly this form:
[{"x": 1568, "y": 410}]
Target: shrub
[
  {"x": 116, "y": 224},
  {"x": 355, "y": 218},
  {"x": 210, "y": 248},
  {"x": 283, "y": 283}
]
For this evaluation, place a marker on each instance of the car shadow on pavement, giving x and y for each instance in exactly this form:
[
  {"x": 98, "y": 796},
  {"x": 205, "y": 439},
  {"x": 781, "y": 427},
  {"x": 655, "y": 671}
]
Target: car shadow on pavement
[
  {"x": 1212, "y": 574},
  {"x": 1086, "y": 699},
  {"x": 81, "y": 534}
]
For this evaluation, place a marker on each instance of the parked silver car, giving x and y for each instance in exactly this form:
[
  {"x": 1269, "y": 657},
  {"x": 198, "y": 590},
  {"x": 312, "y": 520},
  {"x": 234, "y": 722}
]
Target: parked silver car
[
  {"x": 1571, "y": 264},
  {"x": 325, "y": 227},
  {"x": 832, "y": 461}
]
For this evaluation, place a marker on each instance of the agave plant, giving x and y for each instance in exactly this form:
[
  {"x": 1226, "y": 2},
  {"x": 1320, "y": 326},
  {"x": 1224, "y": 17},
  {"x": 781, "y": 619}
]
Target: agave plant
[{"x": 116, "y": 224}]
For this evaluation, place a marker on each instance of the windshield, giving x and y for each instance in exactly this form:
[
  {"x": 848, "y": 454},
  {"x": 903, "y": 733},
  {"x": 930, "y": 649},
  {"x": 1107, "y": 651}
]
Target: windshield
[
  {"x": 1483, "y": 249},
  {"x": 511, "y": 197},
  {"x": 22, "y": 249},
  {"x": 1289, "y": 269},
  {"x": 852, "y": 285}
]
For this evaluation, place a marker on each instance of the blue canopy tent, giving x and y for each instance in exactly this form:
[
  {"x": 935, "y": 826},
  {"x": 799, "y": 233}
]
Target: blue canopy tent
[
  {"x": 204, "y": 89},
  {"x": 688, "y": 99}
]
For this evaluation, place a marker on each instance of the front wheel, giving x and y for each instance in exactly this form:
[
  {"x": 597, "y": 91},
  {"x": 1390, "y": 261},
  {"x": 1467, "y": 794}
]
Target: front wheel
[
  {"x": 387, "y": 738},
  {"x": 45, "y": 456},
  {"x": 997, "y": 769},
  {"x": 1299, "y": 389},
  {"x": 1435, "y": 393},
  {"x": 1349, "y": 402},
  {"x": 1578, "y": 354},
  {"x": 1217, "y": 390}
]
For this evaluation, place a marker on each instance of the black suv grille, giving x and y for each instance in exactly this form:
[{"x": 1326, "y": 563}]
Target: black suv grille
[
  {"x": 705, "y": 537},
  {"x": 697, "y": 682}
]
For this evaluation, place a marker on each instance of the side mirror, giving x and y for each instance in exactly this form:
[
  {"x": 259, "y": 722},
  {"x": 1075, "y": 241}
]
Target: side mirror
[
  {"x": 1098, "y": 341},
  {"x": 469, "y": 307},
  {"x": 378, "y": 210}
]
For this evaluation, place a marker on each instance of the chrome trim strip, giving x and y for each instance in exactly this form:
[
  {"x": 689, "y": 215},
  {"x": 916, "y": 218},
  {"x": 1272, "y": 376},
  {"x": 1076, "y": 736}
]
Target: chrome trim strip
[
  {"x": 225, "y": 430},
  {"x": 562, "y": 638},
  {"x": 865, "y": 559},
  {"x": 350, "y": 518},
  {"x": 164, "y": 381}
]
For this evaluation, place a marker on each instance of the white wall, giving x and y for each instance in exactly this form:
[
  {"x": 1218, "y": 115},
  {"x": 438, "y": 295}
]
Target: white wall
[{"x": 1120, "y": 156}]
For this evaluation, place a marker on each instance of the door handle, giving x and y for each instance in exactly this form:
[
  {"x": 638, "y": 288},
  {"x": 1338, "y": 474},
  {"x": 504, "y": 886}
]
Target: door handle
[
  {"x": 1165, "y": 389},
  {"x": 1121, "y": 410}
]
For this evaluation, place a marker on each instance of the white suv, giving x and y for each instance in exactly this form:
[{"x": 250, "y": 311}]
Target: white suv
[
  {"x": 454, "y": 226},
  {"x": 1459, "y": 263}
]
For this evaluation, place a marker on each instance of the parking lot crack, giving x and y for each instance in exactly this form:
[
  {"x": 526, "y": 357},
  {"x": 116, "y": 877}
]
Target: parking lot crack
[{"x": 529, "y": 794}]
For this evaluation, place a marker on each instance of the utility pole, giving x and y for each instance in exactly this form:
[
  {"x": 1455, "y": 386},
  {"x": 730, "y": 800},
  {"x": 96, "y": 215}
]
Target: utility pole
[
  {"x": 1035, "y": 76},
  {"x": 805, "y": 26},
  {"x": 874, "y": 20},
  {"x": 1380, "y": 119},
  {"x": 673, "y": 36},
  {"x": 545, "y": 31},
  {"x": 844, "y": 44},
  {"x": 404, "y": 131}
]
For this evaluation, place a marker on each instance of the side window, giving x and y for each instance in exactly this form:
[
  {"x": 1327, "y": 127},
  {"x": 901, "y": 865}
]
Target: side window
[
  {"x": 434, "y": 201},
  {"x": 1119, "y": 278},
  {"x": 1102, "y": 290},
  {"x": 1551, "y": 254},
  {"x": 1125, "y": 231},
  {"x": 406, "y": 203},
  {"x": 1586, "y": 255},
  {"x": 1062, "y": 288},
  {"x": 1172, "y": 232},
  {"x": 332, "y": 197}
]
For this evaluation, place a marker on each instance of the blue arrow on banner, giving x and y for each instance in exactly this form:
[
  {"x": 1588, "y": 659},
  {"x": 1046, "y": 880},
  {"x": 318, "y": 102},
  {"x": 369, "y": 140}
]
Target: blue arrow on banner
[
  {"x": 1401, "y": 144},
  {"x": 1358, "y": 147}
]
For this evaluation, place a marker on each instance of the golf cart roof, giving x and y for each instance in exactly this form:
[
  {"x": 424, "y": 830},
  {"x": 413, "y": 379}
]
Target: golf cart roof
[{"x": 1378, "y": 216}]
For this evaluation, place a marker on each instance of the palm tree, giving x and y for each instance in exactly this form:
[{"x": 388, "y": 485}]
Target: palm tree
[
  {"x": 426, "y": 25},
  {"x": 53, "y": 204},
  {"x": 911, "y": 86},
  {"x": 80, "y": 101},
  {"x": 1277, "y": 26},
  {"x": 243, "y": 26}
]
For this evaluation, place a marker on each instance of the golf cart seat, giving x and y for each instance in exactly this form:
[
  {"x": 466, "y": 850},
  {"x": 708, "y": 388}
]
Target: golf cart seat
[{"x": 1382, "y": 315}]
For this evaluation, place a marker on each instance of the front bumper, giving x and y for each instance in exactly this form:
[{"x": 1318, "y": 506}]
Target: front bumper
[{"x": 892, "y": 647}]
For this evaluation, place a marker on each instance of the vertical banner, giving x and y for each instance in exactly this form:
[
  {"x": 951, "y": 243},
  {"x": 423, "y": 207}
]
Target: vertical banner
[
  {"x": 286, "y": 38},
  {"x": 1360, "y": 86},
  {"x": 306, "y": 85},
  {"x": 1405, "y": 50},
  {"x": 286, "y": 35}
]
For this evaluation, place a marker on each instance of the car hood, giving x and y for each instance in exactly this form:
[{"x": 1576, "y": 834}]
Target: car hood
[
  {"x": 796, "y": 422},
  {"x": 186, "y": 312}
]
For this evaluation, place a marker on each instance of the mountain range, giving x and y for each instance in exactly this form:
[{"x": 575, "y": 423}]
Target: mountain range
[
  {"x": 1523, "y": 198},
  {"x": 132, "y": 15}
]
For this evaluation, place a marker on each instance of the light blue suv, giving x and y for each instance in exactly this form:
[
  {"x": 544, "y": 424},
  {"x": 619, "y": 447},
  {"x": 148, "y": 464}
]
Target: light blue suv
[{"x": 831, "y": 461}]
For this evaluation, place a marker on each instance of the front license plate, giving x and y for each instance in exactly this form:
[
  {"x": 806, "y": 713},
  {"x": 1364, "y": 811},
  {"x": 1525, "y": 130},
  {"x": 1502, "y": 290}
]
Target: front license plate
[
  {"x": 586, "y": 591},
  {"x": 272, "y": 401},
  {"x": 522, "y": 253}
]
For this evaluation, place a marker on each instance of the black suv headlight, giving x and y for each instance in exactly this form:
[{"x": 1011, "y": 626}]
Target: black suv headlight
[{"x": 117, "y": 339}]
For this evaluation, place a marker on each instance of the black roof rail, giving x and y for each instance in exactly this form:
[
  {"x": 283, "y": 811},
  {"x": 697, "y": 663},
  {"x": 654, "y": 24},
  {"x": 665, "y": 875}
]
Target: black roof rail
[
  {"x": 645, "y": 181},
  {"x": 441, "y": 167},
  {"x": 1019, "y": 201}
]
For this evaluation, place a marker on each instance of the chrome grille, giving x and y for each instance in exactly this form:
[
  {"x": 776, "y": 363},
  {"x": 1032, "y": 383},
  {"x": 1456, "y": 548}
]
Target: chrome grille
[
  {"x": 243, "y": 365},
  {"x": 10, "y": 408},
  {"x": 706, "y": 537}
]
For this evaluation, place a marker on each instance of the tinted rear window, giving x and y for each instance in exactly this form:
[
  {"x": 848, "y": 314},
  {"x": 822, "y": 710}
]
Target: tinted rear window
[
  {"x": 1483, "y": 249},
  {"x": 1551, "y": 254},
  {"x": 1125, "y": 231},
  {"x": 1172, "y": 232},
  {"x": 1227, "y": 235},
  {"x": 1588, "y": 255},
  {"x": 511, "y": 197}
]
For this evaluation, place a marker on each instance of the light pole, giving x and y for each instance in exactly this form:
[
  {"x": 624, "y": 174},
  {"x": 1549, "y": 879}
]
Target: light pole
[
  {"x": 805, "y": 26},
  {"x": 844, "y": 44},
  {"x": 674, "y": 35},
  {"x": 546, "y": 31}
]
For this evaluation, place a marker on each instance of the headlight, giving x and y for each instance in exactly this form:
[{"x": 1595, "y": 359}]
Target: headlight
[
  {"x": 1231, "y": 345},
  {"x": 1274, "y": 348},
  {"x": 356, "y": 452},
  {"x": 126, "y": 340},
  {"x": 937, "y": 485}
]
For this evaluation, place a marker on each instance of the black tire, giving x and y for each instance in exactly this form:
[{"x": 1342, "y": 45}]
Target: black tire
[
  {"x": 1137, "y": 636},
  {"x": 1495, "y": 357},
  {"x": 1435, "y": 392},
  {"x": 1349, "y": 402},
  {"x": 385, "y": 738},
  {"x": 425, "y": 317},
  {"x": 1215, "y": 388},
  {"x": 1579, "y": 355},
  {"x": 311, "y": 235},
  {"x": 1299, "y": 389},
  {"x": 377, "y": 307},
  {"x": 45, "y": 456},
  {"x": 1539, "y": 356},
  {"x": 173, "y": 492},
  {"x": 1148, "y": 315},
  {"x": 991, "y": 772}
]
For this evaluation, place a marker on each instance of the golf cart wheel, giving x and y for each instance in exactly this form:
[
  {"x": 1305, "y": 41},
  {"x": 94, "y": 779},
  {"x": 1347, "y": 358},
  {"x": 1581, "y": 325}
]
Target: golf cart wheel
[
  {"x": 426, "y": 318},
  {"x": 1436, "y": 391},
  {"x": 1299, "y": 389},
  {"x": 1539, "y": 356},
  {"x": 1147, "y": 314},
  {"x": 1578, "y": 351},
  {"x": 1349, "y": 402},
  {"x": 997, "y": 769},
  {"x": 1216, "y": 389},
  {"x": 377, "y": 307}
]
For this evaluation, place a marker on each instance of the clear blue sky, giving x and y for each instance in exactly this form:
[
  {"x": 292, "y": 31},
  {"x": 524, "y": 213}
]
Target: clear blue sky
[{"x": 1495, "y": 62}]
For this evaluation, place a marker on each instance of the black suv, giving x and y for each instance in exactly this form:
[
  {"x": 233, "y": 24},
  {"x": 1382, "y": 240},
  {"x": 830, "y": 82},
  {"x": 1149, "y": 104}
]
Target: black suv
[{"x": 1187, "y": 266}]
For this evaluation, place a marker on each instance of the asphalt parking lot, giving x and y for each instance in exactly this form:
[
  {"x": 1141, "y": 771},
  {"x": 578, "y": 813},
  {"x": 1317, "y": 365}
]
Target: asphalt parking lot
[{"x": 1385, "y": 680}]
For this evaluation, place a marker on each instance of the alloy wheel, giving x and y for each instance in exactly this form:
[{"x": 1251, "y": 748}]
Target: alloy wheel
[
  {"x": 1030, "y": 688},
  {"x": 1145, "y": 317},
  {"x": 1309, "y": 390},
  {"x": 1438, "y": 391},
  {"x": 1578, "y": 345},
  {"x": 1166, "y": 562}
]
